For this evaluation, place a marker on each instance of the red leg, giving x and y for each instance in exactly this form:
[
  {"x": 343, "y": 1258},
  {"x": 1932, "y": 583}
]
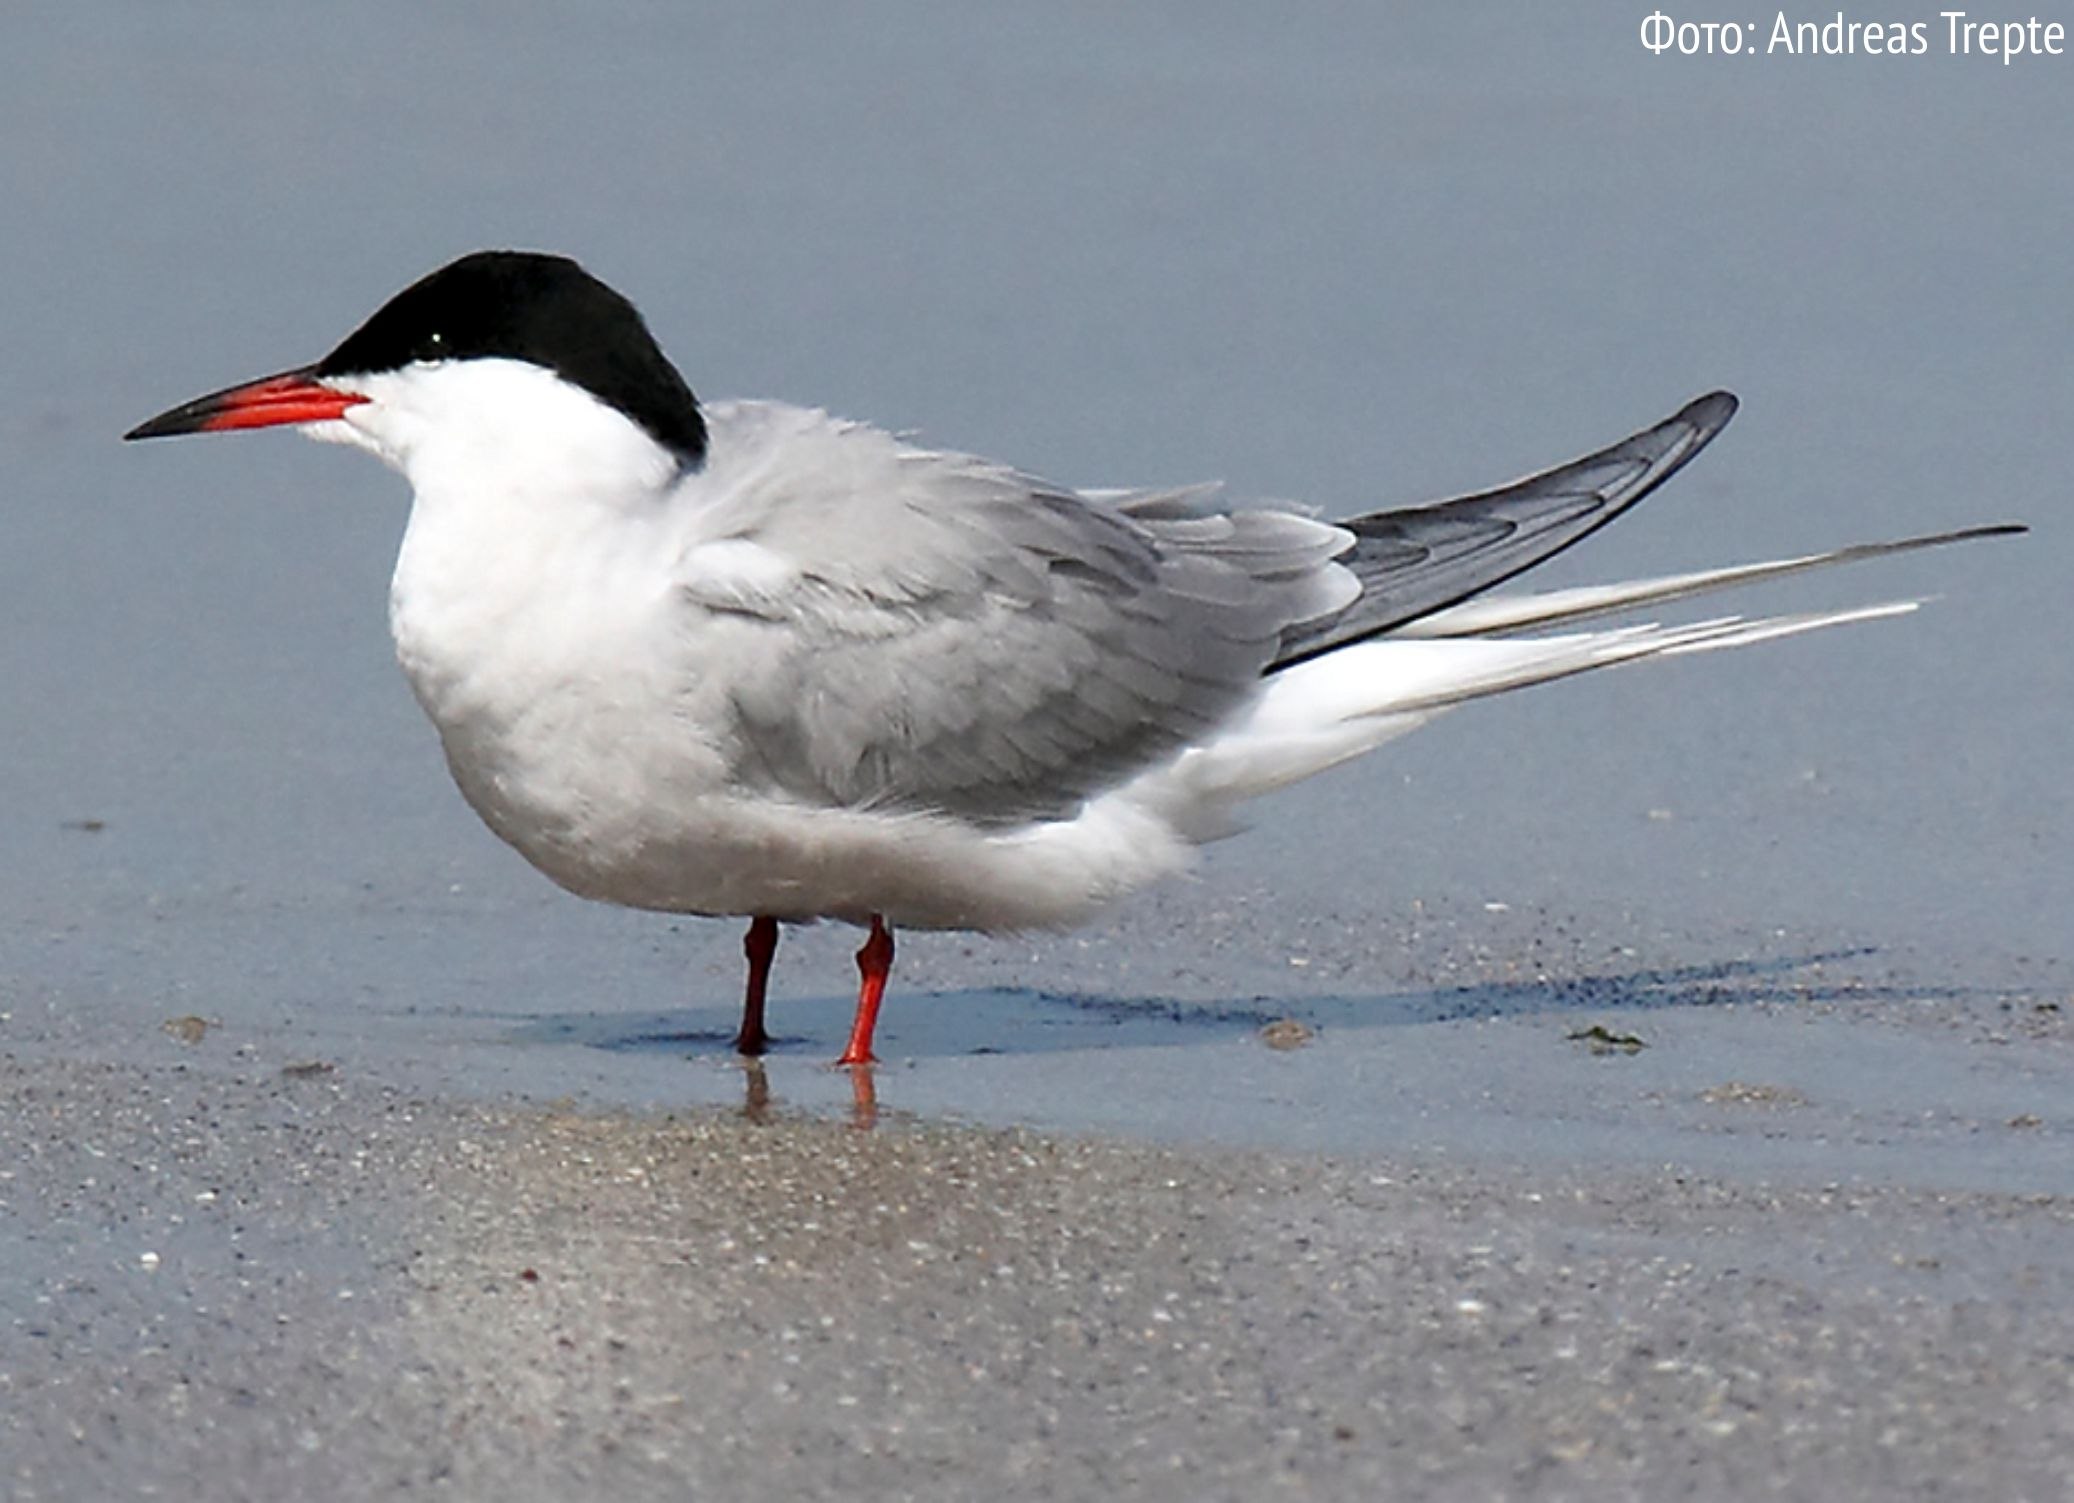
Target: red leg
[
  {"x": 864, "y": 1098},
  {"x": 874, "y": 964},
  {"x": 760, "y": 946}
]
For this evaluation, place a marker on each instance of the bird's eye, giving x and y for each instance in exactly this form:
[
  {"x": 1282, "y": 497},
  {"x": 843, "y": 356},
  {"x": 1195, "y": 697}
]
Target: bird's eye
[{"x": 435, "y": 345}]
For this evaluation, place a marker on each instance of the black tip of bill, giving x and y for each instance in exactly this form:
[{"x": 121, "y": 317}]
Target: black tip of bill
[{"x": 188, "y": 417}]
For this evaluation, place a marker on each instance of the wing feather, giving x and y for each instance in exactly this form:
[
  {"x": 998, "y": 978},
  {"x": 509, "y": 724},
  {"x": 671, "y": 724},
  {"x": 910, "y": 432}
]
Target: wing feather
[
  {"x": 1422, "y": 559},
  {"x": 983, "y": 644}
]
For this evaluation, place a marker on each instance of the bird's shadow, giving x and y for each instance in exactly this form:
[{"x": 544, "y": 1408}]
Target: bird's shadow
[{"x": 1021, "y": 1020}]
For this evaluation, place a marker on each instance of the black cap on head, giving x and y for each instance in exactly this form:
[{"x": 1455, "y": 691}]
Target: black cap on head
[{"x": 547, "y": 310}]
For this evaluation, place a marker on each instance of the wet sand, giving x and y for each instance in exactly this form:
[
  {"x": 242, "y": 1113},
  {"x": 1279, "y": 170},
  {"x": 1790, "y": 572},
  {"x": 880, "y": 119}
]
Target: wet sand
[{"x": 235, "y": 1273}]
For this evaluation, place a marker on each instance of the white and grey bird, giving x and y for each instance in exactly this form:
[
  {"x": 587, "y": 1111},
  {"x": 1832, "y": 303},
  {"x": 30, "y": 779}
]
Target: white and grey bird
[{"x": 744, "y": 658}]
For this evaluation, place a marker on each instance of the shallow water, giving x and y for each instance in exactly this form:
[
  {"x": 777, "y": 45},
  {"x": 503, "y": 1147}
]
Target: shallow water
[{"x": 1351, "y": 258}]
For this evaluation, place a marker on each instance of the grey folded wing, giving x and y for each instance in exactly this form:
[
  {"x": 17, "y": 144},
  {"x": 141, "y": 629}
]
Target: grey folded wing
[
  {"x": 999, "y": 650},
  {"x": 949, "y": 636},
  {"x": 1417, "y": 560}
]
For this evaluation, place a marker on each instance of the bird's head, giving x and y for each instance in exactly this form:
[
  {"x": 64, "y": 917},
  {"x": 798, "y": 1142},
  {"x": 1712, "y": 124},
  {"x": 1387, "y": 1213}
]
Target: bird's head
[{"x": 503, "y": 361}]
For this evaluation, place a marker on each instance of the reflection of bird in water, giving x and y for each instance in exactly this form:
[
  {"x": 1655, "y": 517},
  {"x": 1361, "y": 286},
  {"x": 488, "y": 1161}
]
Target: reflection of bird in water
[
  {"x": 758, "y": 1106},
  {"x": 756, "y": 1092}
]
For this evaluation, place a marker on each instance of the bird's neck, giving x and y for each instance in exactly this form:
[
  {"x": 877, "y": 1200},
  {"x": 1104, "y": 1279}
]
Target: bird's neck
[{"x": 519, "y": 556}]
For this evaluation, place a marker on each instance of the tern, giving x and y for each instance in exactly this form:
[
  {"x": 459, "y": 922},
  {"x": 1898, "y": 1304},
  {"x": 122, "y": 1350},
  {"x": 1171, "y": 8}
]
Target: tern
[{"x": 748, "y": 659}]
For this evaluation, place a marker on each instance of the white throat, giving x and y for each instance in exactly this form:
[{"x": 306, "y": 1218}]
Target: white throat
[{"x": 502, "y": 436}]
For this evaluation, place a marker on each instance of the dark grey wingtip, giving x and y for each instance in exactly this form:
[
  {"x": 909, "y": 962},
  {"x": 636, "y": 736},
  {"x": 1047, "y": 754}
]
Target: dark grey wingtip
[
  {"x": 1416, "y": 560},
  {"x": 1704, "y": 417},
  {"x": 1710, "y": 412}
]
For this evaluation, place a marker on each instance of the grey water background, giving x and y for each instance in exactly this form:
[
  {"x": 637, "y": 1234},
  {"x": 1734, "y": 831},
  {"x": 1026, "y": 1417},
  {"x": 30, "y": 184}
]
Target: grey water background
[{"x": 1349, "y": 255}]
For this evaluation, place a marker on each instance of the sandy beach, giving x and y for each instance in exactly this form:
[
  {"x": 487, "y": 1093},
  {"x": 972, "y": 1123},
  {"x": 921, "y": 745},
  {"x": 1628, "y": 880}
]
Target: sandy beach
[{"x": 233, "y": 1273}]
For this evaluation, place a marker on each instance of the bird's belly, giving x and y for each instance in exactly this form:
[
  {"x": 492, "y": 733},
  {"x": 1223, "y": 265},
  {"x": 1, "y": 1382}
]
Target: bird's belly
[
  {"x": 722, "y": 854},
  {"x": 661, "y": 833},
  {"x": 593, "y": 811}
]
